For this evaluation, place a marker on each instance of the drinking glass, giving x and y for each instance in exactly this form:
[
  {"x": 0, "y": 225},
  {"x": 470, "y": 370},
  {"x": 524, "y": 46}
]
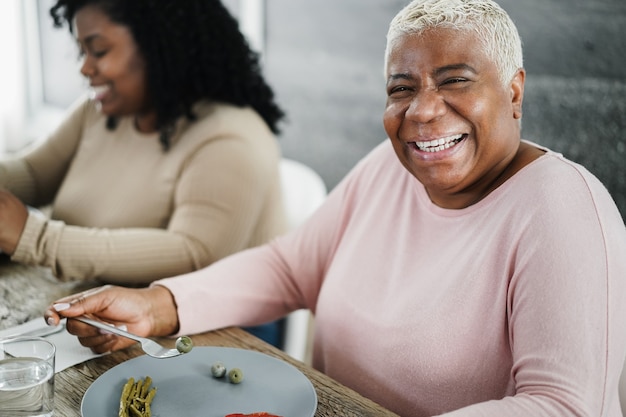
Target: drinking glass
[{"x": 26, "y": 377}]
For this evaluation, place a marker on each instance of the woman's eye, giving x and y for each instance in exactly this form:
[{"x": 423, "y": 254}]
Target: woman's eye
[
  {"x": 82, "y": 54},
  {"x": 399, "y": 89},
  {"x": 454, "y": 80}
]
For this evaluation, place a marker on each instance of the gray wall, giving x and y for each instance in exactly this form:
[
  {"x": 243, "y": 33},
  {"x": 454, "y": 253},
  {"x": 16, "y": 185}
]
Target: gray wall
[{"x": 325, "y": 59}]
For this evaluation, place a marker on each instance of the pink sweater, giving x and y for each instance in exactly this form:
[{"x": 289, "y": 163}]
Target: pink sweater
[{"x": 514, "y": 306}]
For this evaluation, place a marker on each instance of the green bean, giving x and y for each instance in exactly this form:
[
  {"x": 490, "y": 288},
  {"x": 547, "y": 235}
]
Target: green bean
[
  {"x": 146, "y": 387},
  {"x": 136, "y": 398},
  {"x": 149, "y": 398},
  {"x": 137, "y": 388},
  {"x": 124, "y": 397},
  {"x": 151, "y": 395},
  {"x": 134, "y": 411}
]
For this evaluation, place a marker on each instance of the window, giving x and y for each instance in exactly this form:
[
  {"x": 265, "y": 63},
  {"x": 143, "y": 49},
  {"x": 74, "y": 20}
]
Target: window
[{"x": 45, "y": 77}]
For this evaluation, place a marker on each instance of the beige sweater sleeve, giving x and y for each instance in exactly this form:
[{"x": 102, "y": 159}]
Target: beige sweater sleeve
[
  {"x": 35, "y": 174},
  {"x": 129, "y": 213}
]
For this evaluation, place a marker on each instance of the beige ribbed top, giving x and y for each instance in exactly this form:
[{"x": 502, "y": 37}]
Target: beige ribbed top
[{"x": 128, "y": 212}]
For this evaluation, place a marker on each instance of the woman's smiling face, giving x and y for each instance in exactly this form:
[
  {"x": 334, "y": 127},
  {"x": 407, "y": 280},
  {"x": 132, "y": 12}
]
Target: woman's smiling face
[
  {"x": 452, "y": 122},
  {"x": 112, "y": 63}
]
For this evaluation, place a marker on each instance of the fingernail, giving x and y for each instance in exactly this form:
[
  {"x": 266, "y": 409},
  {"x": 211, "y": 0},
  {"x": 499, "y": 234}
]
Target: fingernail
[
  {"x": 50, "y": 321},
  {"x": 61, "y": 306},
  {"x": 122, "y": 327}
]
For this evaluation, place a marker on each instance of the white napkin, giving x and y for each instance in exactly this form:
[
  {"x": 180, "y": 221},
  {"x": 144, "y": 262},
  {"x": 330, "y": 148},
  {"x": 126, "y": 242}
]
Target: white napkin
[{"x": 69, "y": 351}]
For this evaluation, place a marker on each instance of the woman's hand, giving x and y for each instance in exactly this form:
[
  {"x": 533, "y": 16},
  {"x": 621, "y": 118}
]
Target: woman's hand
[
  {"x": 13, "y": 216},
  {"x": 144, "y": 312}
]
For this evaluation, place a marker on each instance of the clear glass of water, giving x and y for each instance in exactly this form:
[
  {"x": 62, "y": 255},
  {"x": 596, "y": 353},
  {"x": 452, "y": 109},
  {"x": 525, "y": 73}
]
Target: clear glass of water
[{"x": 27, "y": 377}]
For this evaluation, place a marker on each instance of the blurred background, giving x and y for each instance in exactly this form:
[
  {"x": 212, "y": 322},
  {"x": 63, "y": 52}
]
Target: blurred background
[{"x": 324, "y": 59}]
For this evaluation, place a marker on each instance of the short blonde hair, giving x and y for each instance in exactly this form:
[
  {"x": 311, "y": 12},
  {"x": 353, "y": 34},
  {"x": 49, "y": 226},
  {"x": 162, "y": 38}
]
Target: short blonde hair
[{"x": 494, "y": 27}]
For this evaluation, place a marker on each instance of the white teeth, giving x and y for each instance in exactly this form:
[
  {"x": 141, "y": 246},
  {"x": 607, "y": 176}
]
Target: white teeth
[
  {"x": 97, "y": 91},
  {"x": 440, "y": 144}
]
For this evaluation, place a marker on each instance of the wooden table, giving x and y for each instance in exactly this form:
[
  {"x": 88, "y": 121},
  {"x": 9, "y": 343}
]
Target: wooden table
[{"x": 37, "y": 284}]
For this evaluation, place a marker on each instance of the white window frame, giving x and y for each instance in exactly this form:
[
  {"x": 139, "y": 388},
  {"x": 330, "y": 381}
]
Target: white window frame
[{"x": 41, "y": 115}]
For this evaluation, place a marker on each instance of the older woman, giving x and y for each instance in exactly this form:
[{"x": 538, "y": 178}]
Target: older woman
[{"x": 457, "y": 270}]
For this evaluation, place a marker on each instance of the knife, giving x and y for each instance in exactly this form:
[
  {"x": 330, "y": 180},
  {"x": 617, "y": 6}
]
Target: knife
[{"x": 40, "y": 332}]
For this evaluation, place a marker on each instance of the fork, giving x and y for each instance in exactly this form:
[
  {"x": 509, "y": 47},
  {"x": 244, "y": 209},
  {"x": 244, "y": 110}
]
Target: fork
[{"x": 149, "y": 346}]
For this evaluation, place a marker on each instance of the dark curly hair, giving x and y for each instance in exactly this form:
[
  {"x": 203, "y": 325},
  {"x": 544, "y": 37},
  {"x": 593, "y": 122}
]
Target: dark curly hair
[{"x": 193, "y": 50}]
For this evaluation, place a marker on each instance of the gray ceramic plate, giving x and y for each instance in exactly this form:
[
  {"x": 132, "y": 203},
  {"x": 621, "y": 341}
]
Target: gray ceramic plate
[{"x": 185, "y": 386}]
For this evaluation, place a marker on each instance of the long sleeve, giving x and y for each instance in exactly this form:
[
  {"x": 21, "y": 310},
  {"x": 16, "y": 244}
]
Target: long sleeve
[
  {"x": 565, "y": 303},
  {"x": 128, "y": 212},
  {"x": 510, "y": 307},
  {"x": 256, "y": 285},
  {"x": 36, "y": 173}
]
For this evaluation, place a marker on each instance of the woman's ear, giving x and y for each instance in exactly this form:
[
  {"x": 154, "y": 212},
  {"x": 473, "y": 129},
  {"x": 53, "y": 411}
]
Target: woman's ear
[{"x": 517, "y": 92}]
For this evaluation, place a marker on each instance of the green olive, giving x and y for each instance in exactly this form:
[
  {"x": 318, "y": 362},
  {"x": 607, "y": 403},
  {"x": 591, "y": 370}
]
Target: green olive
[
  {"x": 235, "y": 376},
  {"x": 184, "y": 344},
  {"x": 218, "y": 370}
]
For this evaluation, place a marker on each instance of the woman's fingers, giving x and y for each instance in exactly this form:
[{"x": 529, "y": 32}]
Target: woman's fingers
[
  {"x": 104, "y": 343},
  {"x": 74, "y": 305},
  {"x": 96, "y": 339}
]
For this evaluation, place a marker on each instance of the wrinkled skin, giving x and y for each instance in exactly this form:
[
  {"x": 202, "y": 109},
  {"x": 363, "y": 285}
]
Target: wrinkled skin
[
  {"x": 439, "y": 87},
  {"x": 144, "y": 312}
]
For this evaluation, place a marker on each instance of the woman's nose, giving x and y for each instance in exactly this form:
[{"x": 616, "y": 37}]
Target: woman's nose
[
  {"x": 427, "y": 105},
  {"x": 86, "y": 67}
]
